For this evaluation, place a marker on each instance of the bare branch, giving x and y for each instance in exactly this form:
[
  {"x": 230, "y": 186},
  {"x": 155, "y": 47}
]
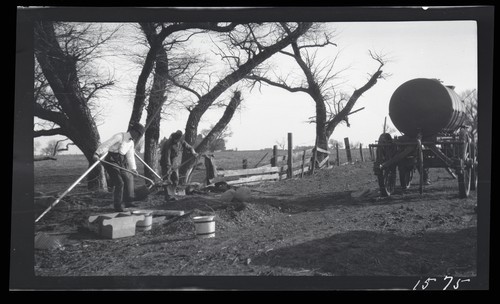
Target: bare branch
[
  {"x": 186, "y": 88},
  {"x": 67, "y": 147},
  {"x": 51, "y": 132},
  {"x": 56, "y": 117},
  {"x": 287, "y": 53},
  {"x": 355, "y": 111},
  {"x": 277, "y": 84},
  {"x": 97, "y": 87}
]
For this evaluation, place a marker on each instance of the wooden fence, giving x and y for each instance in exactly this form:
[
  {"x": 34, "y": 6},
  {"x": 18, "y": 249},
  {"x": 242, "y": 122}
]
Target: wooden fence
[{"x": 296, "y": 164}]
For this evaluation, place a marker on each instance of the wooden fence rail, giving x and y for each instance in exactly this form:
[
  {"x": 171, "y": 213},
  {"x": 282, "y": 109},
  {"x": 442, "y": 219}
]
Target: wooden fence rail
[{"x": 294, "y": 164}]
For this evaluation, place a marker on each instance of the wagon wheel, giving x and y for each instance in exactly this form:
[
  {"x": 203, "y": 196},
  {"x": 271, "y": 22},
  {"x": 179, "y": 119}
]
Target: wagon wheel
[
  {"x": 405, "y": 177},
  {"x": 464, "y": 173},
  {"x": 387, "y": 181},
  {"x": 387, "y": 176},
  {"x": 473, "y": 156}
]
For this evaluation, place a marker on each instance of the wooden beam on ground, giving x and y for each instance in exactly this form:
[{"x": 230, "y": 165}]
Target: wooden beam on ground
[
  {"x": 255, "y": 179},
  {"x": 253, "y": 171}
]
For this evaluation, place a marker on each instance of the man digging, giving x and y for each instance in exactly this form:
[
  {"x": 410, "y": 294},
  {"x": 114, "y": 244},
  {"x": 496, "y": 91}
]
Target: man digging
[
  {"x": 120, "y": 150},
  {"x": 169, "y": 151}
]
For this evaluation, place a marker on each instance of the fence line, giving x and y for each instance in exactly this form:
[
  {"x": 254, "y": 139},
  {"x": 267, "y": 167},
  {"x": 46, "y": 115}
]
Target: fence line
[{"x": 294, "y": 164}]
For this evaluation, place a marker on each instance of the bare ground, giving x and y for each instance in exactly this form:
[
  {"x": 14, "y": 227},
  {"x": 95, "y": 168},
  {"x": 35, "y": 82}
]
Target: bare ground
[{"x": 316, "y": 226}]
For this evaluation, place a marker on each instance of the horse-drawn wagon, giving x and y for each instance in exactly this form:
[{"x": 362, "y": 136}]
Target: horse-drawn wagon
[{"x": 432, "y": 119}]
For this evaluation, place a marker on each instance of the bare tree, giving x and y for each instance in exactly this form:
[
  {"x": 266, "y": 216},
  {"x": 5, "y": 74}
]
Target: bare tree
[
  {"x": 219, "y": 130},
  {"x": 162, "y": 38},
  {"x": 245, "y": 50},
  {"x": 333, "y": 142},
  {"x": 470, "y": 99},
  {"x": 66, "y": 84},
  {"x": 281, "y": 143},
  {"x": 51, "y": 150},
  {"x": 320, "y": 81},
  {"x": 217, "y": 143}
]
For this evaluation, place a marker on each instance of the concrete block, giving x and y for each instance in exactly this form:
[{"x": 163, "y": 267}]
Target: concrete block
[{"x": 115, "y": 225}]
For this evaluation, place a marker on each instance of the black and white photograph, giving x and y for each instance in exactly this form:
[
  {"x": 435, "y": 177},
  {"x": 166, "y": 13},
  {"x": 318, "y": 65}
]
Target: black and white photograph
[{"x": 252, "y": 148}]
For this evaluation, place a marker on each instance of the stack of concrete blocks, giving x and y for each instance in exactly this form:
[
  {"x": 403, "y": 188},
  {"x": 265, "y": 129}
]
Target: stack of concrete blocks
[{"x": 115, "y": 225}]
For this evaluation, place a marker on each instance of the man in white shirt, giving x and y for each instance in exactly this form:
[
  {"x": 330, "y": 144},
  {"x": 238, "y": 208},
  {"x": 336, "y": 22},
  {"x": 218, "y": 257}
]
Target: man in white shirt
[{"x": 121, "y": 148}]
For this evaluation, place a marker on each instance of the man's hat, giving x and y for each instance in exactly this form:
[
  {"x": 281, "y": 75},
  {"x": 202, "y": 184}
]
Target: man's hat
[
  {"x": 138, "y": 128},
  {"x": 177, "y": 134}
]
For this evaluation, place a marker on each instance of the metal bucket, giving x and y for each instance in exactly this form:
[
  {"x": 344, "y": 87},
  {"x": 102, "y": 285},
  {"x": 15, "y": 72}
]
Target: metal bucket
[
  {"x": 147, "y": 223},
  {"x": 205, "y": 226}
]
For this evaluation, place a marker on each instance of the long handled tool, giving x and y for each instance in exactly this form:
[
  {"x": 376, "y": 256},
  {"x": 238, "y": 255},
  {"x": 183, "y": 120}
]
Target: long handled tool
[
  {"x": 129, "y": 171},
  {"x": 187, "y": 161},
  {"x": 101, "y": 159},
  {"x": 146, "y": 165},
  {"x": 143, "y": 191},
  {"x": 72, "y": 186}
]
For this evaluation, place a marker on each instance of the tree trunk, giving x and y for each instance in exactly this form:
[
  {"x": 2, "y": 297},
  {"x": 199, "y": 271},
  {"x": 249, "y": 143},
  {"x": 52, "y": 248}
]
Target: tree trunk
[
  {"x": 61, "y": 73},
  {"x": 321, "y": 137},
  {"x": 332, "y": 124},
  {"x": 140, "y": 90},
  {"x": 214, "y": 133},
  {"x": 156, "y": 100}
]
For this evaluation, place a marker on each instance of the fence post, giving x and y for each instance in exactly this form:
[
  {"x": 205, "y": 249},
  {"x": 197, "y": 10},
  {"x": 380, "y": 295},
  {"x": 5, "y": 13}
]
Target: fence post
[
  {"x": 371, "y": 151},
  {"x": 289, "y": 160},
  {"x": 348, "y": 150},
  {"x": 274, "y": 159},
  {"x": 313, "y": 161},
  {"x": 337, "y": 151},
  {"x": 245, "y": 163},
  {"x": 303, "y": 164},
  {"x": 361, "y": 152}
]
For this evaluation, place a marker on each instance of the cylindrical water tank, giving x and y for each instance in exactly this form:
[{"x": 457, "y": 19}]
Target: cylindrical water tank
[{"x": 427, "y": 106}]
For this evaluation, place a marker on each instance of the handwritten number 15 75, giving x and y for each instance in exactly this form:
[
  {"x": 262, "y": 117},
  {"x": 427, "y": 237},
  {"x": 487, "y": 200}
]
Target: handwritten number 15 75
[{"x": 428, "y": 281}]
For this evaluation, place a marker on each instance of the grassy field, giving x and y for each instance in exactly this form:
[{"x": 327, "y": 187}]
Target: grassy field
[{"x": 59, "y": 175}]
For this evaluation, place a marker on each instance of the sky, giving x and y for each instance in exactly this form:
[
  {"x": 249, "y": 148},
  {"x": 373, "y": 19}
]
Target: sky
[{"x": 446, "y": 50}]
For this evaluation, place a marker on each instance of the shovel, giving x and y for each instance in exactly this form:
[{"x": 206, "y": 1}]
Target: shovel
[{"x": 143, "y": 191}]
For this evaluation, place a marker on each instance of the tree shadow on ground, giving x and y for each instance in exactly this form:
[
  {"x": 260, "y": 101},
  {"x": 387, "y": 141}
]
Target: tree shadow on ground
[
  {"x": 365, "y": 253},
  {"x": 320, "y": 202},
  {"x": 317, "y": 202}
]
